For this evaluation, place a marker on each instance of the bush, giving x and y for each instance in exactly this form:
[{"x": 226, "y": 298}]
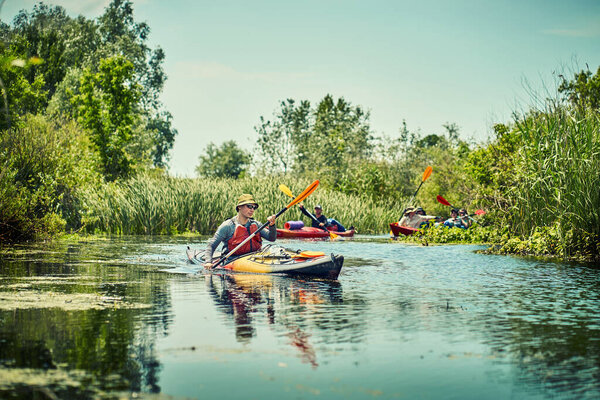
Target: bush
[{"x": 45, "y": 166}]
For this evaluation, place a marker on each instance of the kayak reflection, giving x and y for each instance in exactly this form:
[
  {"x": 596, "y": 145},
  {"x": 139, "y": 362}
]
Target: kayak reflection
[{"x": 283, "y": 301}]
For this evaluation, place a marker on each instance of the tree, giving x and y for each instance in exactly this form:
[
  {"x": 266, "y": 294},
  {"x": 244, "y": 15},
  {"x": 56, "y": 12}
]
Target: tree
[
  {"x": 583, "y": 90},
  {"x": 69, "y": 45},
  {"x": 19, "y": 95},
  {"x": 107, "y": 108},
  {"x": 227, "y": 161},
  {"x": 280, "y": 142}
]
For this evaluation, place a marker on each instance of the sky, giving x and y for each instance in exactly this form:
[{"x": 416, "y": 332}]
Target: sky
[{"x": 428, "y": 62}]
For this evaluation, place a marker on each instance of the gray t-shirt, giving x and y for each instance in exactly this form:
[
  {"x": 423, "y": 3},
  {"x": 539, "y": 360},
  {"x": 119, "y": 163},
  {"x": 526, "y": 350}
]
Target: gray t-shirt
[{"x": 225, "y": 232}]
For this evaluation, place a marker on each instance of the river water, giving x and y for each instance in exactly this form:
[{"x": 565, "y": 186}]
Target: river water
[{"x": 128, "y": 317}]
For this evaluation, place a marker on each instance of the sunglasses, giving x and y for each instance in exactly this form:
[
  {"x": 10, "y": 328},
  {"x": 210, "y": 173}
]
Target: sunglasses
[{"x": 251, "y": 206}]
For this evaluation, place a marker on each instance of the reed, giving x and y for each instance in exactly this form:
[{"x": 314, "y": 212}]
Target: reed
[
  {"x": 167, "y": 205},
  {"x": 558, "y": 185}
]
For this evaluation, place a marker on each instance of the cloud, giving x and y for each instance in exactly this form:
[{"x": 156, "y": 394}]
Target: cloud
[
  {"x": 589, "y": 30},
  {"x": 214, "y": 70}
]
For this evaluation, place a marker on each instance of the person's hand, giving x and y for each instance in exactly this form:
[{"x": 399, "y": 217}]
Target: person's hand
[
  {"x": 300, "y": 205},
  {"x": 321, "y": 224},
  {"x": 208, "y": 265},
  {"x": 271, "y": 220}
]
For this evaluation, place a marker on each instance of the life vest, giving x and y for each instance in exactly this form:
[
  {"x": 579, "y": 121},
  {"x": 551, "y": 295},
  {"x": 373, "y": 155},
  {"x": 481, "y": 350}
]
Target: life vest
[{"x": 241, "y": 233}]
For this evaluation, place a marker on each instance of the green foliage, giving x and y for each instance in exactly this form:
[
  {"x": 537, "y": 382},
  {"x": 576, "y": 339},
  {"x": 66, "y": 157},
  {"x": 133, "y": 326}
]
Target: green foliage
[
  {"x": 106, "y": 107},
  {"x": 45, "y": 165},
  {"x": 583, "y": 91},
  {"x": 281, "y": 142},
  {"x": 68, "y": 46},
  {"x": 164, "y": 205},
  {"x": 227, "y": 161},
  {"x": 540, "y": 176},
  {"x": 323, "y": 141},
  {"x": 19, "y": 95},
  {"x": 442, "y": 234}
]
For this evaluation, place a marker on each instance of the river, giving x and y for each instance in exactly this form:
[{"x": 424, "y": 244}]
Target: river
[{"x": 129, "y": 317}]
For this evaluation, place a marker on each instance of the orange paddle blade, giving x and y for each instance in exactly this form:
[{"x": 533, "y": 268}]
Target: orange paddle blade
[
  {"x": 307, "y": 192},
  {"x": 427, "y": 173}
]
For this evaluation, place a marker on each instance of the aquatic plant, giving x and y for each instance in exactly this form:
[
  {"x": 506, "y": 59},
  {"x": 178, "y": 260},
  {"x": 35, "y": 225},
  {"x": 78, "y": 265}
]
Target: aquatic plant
[{"x": 166, "y": 205}]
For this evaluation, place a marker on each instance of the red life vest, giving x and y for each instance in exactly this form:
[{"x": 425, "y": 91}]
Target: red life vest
[{"x": 240, "y": 234}]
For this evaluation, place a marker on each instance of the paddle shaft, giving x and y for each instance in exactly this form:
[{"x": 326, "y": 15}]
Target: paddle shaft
[
  {"x": 426, "y": 176},
  {"x": 260, "y": 228},
  {"x": 414, "y": 195},
  {"x": 316, "y": 220}
]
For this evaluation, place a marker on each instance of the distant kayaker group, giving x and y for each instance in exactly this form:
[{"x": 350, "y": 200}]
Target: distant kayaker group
[{"x": 415, "y": 217}]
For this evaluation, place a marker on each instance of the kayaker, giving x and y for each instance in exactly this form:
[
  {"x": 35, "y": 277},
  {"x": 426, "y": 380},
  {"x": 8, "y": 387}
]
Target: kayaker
[
  {"x": 463, "y": 215},
  {"x": 414, "y": 219},
  {"x": 234, "y": 230},
  {"x": 454, "y": 221},
  {"x": 323, "y": 221}
]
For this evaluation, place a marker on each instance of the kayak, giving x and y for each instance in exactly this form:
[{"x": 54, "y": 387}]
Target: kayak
[
  {"x": 398, "y": 230},
  {"x": 310, "y": 232},
  {"x": 278, "y": 260}
]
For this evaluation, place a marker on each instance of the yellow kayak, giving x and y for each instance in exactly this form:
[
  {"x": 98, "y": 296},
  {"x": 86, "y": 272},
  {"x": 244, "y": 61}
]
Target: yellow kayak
[{"x": 278, "y": 260}]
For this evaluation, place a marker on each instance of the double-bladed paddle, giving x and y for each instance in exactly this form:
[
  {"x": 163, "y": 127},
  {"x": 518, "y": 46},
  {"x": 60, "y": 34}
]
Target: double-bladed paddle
[
  {"x": 426, "y": 176},
  {"x": 287, "y": 191},
  {"x": 445, "y": 202},
  {"x": 307, "y": 192}
]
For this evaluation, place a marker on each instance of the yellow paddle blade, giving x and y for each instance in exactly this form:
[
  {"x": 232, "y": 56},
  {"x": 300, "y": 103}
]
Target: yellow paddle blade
[
  {"x": 307, "y": 192},
  {"x": 427, "y": 173},
  {"x": 286, "y": 190},
  {"x": 333, "y": 235}
]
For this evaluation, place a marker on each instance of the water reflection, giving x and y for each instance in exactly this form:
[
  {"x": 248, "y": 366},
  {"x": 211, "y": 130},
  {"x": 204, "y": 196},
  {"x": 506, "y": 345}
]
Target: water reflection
[
  {"x": 282, "y": 300},
  {"x": 69, "y": 325}
]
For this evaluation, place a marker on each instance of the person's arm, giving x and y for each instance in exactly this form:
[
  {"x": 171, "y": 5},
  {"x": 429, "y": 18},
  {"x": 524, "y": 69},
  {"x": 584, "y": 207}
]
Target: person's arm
[
  {"x": 303, "y": 210},
  {"x": 222, "y": 234},
  {"x": 271, "y": 234},
  {"x": 322, "y": 220}
]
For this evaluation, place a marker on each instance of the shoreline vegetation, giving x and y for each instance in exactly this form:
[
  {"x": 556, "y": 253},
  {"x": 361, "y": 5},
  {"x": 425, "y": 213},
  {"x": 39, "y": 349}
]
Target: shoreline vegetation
[{"x": 85, "y": 141}]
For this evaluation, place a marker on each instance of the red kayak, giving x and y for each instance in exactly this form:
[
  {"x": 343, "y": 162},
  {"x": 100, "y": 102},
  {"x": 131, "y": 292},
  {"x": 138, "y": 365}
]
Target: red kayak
[
  {"x": 308, "y": 232},
  {"x": 398, "y": 230}
]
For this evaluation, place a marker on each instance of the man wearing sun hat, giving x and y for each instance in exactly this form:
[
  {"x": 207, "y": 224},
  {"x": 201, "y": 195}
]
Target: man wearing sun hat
[
  {"x": 414, "y": 220},
  {"x": 235, "y": 230}
]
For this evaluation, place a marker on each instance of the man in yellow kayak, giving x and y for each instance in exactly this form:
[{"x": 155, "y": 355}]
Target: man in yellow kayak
[{"x": 235, "y": 230}]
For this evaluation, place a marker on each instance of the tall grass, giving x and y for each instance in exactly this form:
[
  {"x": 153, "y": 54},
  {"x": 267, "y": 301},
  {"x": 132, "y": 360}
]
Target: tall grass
[
  {"x": 167, "y": 205},
  {"x": 558, "y": 185}
]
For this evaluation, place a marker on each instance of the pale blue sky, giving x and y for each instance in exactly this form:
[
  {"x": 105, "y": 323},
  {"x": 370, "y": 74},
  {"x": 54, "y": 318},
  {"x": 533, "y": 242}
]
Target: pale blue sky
[{"x": 426, "y": 62}]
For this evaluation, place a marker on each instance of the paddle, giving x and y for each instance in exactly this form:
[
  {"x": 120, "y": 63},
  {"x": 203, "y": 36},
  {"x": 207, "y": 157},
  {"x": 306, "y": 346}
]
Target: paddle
[
  {"x": 445, "y": 202},
  {"x": 426, "y": 175},
  {"x": 307, "y": 192},
  {"x": 287, "y": 191}
]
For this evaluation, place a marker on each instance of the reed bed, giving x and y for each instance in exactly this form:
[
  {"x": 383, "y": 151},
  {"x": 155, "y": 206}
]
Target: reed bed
[
  {"x": 558, "y": 189},
  {"x": 166, "y": 205}
]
